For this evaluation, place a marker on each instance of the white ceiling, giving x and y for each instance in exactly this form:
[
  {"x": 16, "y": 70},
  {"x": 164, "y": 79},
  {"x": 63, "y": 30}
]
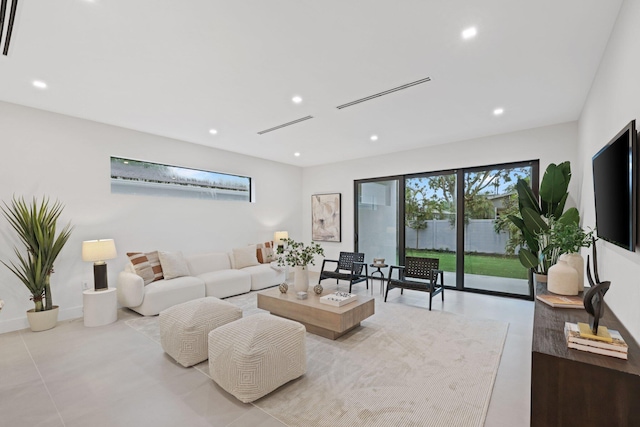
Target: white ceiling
[{"x": 180, "y": 68}]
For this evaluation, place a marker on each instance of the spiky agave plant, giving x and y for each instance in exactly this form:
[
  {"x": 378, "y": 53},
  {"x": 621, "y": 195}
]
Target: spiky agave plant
[{"x": 35, "y": 224}]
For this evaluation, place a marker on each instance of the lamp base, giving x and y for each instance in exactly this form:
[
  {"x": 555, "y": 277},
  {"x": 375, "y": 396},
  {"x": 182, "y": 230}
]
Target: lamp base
[{"x": 100, "y": 277}]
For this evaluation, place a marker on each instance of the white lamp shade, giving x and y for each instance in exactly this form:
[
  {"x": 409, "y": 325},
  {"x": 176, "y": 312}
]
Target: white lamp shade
[
  {"x": 98, "y": 250},
  {"x": 279, "y": 236}
]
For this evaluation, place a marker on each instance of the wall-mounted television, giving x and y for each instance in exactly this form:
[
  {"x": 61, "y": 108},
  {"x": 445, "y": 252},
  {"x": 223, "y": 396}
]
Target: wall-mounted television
[{"x": 614, "y": 182}]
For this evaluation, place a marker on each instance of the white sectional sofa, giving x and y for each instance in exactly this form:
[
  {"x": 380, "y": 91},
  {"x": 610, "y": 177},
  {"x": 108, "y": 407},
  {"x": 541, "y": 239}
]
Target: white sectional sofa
[{"x": 210, "y": 274}]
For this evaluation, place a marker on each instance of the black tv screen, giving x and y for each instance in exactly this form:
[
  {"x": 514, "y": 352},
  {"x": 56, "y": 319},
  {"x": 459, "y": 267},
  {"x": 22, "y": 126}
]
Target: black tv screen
[{"x": 614, "y": 169}]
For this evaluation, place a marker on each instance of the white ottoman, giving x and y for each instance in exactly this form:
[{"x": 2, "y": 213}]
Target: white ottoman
[
  {"x": 184, "y": 327},
  {"x": 253, "y": 356}
]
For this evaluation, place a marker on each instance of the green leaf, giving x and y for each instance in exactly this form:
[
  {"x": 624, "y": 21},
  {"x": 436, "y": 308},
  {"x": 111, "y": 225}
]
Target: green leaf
[
  {"x": 527, "y": 259},
  {"x": 518, "y": 222},
  {"x": 526, "y": 198},
  {"x": 554, "y": 185},
  {"x": 533, "y": 221},
  {"x": 571, "y": 216},
  {"x": 559, "y": 208}
]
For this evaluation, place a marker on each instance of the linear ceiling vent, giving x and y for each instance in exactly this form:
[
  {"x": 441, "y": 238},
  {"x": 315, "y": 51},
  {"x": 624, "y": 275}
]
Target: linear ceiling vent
[
  {"x": 6, "y": 26},
  {"x": 262, "y": 132},
  {"x": 386, "y": 92}
]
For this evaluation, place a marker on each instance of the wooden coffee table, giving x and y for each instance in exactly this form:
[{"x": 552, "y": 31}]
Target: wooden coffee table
[{"x": 320, "y": 319}]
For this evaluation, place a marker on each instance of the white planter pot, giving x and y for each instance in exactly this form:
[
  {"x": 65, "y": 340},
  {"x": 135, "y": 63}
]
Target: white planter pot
[
  {"x": 300, "y": 278},
  {"x": 42, "y": 320},
  {"x": 562, "y": 279},
  {"x": 576, "y": 261}
]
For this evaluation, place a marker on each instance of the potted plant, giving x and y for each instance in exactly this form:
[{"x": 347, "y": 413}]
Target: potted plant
[
  {"x": 536, "y": 220},
  {"x": 298, "y": 256},
  {"x": 567, "y": 239},
  {"x": 35, "y": 224}
]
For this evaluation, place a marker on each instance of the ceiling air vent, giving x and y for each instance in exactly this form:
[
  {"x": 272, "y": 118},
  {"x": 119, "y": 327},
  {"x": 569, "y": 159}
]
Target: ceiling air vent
[
  {"x": 386, "y": 92},
  {"x": 285, "y": 125},
  {"x": 6, "y": 25}
]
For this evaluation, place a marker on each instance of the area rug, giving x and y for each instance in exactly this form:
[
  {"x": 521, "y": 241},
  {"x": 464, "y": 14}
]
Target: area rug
[{"x": 406, "y": 366}]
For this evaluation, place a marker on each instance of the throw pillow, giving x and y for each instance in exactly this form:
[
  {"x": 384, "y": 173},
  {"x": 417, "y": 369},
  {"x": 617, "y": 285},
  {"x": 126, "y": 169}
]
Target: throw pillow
[
  {"x": 142, "y": 266},
  {"x": 245, "y": 257},
  {"x": 264, "y": 252},
  {"x": 173, "y": 264}
]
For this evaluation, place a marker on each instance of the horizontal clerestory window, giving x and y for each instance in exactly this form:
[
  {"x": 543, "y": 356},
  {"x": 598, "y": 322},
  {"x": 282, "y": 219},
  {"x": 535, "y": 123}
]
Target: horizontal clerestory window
[{"x": 153, "y": 179}]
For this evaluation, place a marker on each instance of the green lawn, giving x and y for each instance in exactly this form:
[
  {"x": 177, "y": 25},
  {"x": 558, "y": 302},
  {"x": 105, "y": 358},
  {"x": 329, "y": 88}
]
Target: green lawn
[{"x": 488, "y": 265}]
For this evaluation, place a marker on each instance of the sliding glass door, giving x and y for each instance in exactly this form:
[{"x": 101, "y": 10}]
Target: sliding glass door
[
  {"x": 377, "y": 219},
  {"x": 458, "y": 216},
  {"x": 430, "y": 217}
]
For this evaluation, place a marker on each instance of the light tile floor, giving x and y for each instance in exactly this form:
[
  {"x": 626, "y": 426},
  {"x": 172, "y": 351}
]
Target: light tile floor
[{"x": 113, "y": 376}]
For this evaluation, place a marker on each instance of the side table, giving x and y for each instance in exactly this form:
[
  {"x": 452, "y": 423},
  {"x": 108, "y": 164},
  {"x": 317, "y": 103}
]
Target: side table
[
  {"x": 100, "y": 307},
  {"x": 377, "y": 271}
]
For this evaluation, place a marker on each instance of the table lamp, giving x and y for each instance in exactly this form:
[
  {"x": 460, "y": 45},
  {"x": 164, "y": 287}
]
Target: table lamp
[
  {"x": 98, "y": 251},
  {"x": 278, "y": 238}
]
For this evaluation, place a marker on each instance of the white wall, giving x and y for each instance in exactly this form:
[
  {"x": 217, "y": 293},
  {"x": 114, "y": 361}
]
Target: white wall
[
  {"x": 68, "y": 159},
  {"x": 614, "y": 100},
  {"x": 551, "y": 144}
]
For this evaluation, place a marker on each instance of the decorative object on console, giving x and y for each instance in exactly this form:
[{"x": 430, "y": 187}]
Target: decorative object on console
[
  {"x": 594, "y": 296},
  {"x": 298, "y": 256},
  {"x": 567, "y": 238},
  {"x": 318, "y": 289},
  {"x": 98, "y": 251},
  {"x": 35, "y": 225},
  {"x": 559, "y": 301},
  {"x": 562, "y": 279},
  {"x": 283, "y": 287},
  {"x": 326, "y": 217},
  {"x": 378, "y": 261}
]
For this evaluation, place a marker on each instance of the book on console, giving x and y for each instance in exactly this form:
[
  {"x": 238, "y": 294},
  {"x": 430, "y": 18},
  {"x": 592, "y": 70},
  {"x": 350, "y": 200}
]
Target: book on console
[
  {"x": 598, "y": 350},
  {"x": 575, "y": 340},
  {"x": 561, "y": 301}
]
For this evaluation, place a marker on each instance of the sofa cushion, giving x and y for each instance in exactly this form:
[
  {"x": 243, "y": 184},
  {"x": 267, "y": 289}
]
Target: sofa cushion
[
  {"x": 163, "y": 294},
  {"x": 245, "y": 257},
  {"x": 264, "y": 276},
  {"x": 173, "y": 264},
  {"x": 226, "y": 283},
  {"x": 204, "y": 263}
]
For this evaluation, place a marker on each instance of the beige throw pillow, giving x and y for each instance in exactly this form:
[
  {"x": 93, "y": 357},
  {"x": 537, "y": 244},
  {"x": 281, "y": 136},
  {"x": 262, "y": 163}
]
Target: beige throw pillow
[
  {"x": 173, "y": 264},
  {"x": 245, "y": 257}
]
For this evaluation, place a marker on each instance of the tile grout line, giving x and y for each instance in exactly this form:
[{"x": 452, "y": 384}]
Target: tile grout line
[{"x": 42, "y": 379}]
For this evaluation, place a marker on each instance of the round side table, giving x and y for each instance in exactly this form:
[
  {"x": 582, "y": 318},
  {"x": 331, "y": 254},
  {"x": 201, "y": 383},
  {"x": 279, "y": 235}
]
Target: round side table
[
  {"x": 100, "y": 307},
  {"x": 378, "y": 267}
]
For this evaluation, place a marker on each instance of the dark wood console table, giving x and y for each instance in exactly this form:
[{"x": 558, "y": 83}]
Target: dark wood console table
[{"x": 576, "y": 388}]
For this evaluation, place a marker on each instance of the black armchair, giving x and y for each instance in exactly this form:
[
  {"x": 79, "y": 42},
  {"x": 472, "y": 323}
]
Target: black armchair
[
  {"x": 349, "y": 267},
  {"x": 425, "y": 270}
]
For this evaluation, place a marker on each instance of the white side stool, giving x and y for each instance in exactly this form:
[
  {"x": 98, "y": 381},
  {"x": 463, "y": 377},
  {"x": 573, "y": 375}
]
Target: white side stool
[{"x": 100, "y": 307}]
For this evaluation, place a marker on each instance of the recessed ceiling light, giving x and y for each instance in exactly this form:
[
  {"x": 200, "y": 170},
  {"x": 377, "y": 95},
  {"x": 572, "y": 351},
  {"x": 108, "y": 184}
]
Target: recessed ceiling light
[
  {"x": 213, "y": 131},
  {"x": 498, "y": 111},
  {"x": 296, "y": 99},
  {"x": 296, "y": 154},
  {"x": 39, "y": 84},
  {"x": 374, "y": 137},
  {"x": 469, "y": 33}
]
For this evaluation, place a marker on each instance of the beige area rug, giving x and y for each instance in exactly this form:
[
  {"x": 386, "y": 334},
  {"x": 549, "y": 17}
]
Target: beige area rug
[{"x": 405, "y": 366}]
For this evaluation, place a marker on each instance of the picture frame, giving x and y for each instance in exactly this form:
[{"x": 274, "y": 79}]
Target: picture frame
[{"x": 326, "y": 217}]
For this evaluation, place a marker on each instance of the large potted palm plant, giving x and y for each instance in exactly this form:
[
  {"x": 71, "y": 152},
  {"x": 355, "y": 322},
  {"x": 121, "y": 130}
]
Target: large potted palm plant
[{"x": 35, "y": 224}]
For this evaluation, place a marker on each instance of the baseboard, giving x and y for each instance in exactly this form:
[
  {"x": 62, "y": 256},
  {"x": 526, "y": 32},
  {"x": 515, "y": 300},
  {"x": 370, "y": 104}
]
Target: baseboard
[{"x": 22, "y": 322}]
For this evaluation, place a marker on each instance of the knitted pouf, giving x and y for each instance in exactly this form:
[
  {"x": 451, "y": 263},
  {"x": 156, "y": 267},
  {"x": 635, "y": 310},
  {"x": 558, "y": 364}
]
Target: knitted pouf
[{"x": 184, "y": 327}]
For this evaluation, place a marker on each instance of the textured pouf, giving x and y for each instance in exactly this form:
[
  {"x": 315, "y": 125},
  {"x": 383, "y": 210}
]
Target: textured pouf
[
  {"x": 255, "y": 355},
  {"x": 184, "y": 327}
]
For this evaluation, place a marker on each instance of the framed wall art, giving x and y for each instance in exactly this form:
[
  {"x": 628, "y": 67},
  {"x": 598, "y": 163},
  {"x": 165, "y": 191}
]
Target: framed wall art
[{"x": 326, "y": 217}]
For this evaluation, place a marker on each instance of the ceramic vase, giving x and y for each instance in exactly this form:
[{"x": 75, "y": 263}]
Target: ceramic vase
[
  {"x": 576, "y": 261},
  {"x": 562, "y": 279},
  {"x": 301, "y": 278}
]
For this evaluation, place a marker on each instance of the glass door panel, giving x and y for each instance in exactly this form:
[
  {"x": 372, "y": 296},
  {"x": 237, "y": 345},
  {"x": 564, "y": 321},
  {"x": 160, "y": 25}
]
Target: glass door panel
[
  {"x": 430, "y": 220},
  {"x": 377, "y": 220},
  {"x": 490, "y": 247}
]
